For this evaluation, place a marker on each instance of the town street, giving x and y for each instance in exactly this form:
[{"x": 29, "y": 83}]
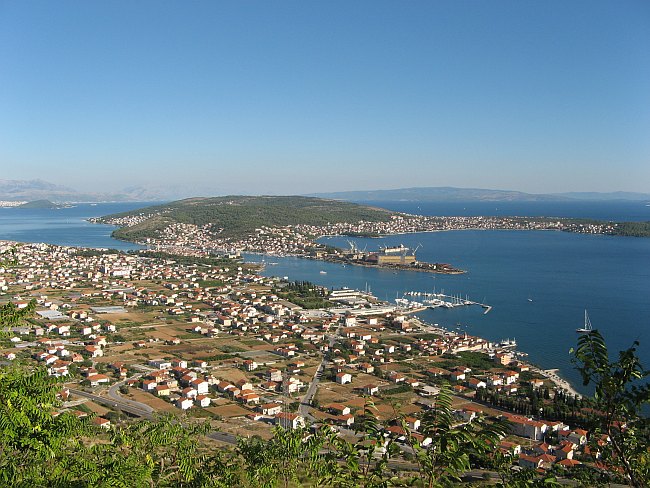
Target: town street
[{"x": 305, "y": 403}]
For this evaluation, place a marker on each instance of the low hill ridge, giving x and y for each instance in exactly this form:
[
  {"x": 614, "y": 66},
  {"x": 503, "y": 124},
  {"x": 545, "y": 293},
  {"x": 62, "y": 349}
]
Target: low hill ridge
[
  {"x": 237, "y": 215},
  {"x": 453, "y": 194}
]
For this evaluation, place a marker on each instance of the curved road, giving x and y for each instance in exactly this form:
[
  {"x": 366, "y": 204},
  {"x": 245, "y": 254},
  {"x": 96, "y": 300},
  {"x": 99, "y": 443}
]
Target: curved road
[
  {"x": 114, "y": 393},
  {"x": 127, "y": 406}
]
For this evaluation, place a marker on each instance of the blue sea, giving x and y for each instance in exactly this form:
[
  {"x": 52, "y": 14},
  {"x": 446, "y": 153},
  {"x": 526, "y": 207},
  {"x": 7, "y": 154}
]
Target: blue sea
[
  {"x": 65, "y": 226},
  {"x": 615, "y": 210},
  {"x": 538, "y": 283}
]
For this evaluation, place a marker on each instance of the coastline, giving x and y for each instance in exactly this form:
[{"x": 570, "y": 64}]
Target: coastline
[
  {"x": 559, "y": 382},
  {"x": 550, "y": 374}
]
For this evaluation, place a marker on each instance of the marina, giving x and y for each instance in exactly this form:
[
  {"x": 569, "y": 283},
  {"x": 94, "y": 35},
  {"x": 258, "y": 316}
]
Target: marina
[{"x": 438, "y": 300}]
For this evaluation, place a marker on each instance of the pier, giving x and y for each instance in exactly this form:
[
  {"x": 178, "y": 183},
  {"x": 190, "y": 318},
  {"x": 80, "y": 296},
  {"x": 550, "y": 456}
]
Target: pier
[{"x": 439, "y": 300}]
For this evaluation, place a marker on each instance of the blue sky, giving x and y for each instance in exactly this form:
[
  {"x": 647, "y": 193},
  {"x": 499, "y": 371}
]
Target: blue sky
[{"x": 296, "y": 97}]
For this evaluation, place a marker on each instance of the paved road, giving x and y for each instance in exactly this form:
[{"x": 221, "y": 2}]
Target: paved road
[
  {"x": 125, "y": 405},
  {"x": 305, "y": 403},
  {"x": 147, "y": 412},
  {"x": 114, "y": 393},
  {"x": 223, "y": 437}
]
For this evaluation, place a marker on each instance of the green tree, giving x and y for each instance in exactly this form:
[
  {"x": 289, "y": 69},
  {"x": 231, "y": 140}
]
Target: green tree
[
  {"x": 367, "y": 460},
  {"x": 620, "y": 395},
  {"x": 447, "y": 457},
  {"x": 36, "y": 447},
  {"x": 290, "y": 457},
  {"x": 12, "y": 316}
]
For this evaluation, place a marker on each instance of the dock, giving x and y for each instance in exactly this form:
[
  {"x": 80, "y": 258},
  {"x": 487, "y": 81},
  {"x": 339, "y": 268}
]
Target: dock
[
  {"x": 413, "y": 310},
  {"x": 441, "y": 300}
]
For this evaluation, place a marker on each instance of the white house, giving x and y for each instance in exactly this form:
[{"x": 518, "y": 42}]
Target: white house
[
  {"x": 97, "y": 379},
  {"x": 203, "y": 400},
  {"x": 270, "y": 408},
  {"x": 288, "y": 420},
  {"x": 201, "y": 386},
  {"x": 184, "y": 403},
  {"x": 343, "y": 378},
  {"x": 412, "y": 423}
]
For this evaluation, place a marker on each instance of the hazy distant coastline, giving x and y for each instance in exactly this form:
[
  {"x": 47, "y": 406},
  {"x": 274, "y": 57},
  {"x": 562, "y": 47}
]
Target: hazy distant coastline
[
  {"x": 453, "y": 194},
  {"x": 30, "y": 190}
]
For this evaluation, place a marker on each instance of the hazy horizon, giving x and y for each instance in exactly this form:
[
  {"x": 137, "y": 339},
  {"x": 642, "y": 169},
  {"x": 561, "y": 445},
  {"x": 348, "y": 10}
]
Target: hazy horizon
[{"x": 299, "y": 98}]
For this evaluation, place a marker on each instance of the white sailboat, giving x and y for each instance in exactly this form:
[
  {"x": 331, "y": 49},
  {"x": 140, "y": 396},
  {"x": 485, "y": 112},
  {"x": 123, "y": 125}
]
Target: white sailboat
[{"x": 587, "y": 327}]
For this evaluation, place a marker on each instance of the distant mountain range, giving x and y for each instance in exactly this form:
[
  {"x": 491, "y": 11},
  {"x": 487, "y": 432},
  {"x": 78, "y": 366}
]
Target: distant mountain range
[
  {"x": 616, "y": 195},
  {"x": 30, "y": 190},
  {"x": 451, "y": 194}
]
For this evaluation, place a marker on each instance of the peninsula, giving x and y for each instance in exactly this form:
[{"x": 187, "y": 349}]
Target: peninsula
[
  {"x": 286, "y": 225},
  {"x": 291, "y": 225}
]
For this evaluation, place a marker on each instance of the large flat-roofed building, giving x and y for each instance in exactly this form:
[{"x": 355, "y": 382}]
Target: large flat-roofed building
[
  {"x": 399, "y": 255},
  {"x": 51, "y": 314},
  {"x": 109, "y": 309},
  {"x": 384, "y": 258}
]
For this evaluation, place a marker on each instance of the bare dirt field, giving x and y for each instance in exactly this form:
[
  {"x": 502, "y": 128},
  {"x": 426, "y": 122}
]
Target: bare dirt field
[
  {"x": 114, "y": 317},
  {"x": 116, "y": 349},
  {"x": 329, "y": 392},
  {"x": 98, "y": 409},
  {"x": 231, "y": 375},
  {"x": 229, "y": 410},
  {"x": 244, "y": 427},
  {"x": 153, "y": 401}
]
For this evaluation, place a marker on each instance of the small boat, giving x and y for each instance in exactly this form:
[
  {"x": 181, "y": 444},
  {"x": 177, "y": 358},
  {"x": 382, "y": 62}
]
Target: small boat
[
  {"x": 323, "y": 272},
  {"x": 587, "y": 327}
]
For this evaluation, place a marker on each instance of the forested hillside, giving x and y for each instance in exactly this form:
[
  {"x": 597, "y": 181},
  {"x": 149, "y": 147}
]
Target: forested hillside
[{"x": 240, "y": 215}]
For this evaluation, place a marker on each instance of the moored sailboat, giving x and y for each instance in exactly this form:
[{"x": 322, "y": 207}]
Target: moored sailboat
[{"x": 587, "y": 327}]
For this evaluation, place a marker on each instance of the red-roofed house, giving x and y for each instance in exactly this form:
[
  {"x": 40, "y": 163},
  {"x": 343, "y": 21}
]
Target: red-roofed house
[
  {"x": 370, "y": 389},
  {"x": 203, "y": 400},
  {"x": 343, "y": 378},
  {"x": 97, "y": 379}
]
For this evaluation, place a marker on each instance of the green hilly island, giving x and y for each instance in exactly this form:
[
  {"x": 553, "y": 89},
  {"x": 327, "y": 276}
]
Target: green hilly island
[
  {"x": 241, "y": 215},
  {"x": 38, "y": 204}
]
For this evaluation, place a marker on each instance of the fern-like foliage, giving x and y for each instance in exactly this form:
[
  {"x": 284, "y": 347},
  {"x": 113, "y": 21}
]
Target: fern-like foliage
[
  {"x": 620, "y": 395},
  {"x": 448, "y": 455}
]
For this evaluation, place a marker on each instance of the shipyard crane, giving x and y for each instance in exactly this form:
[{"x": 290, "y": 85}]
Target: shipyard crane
[{"x": 416, "y": 249}]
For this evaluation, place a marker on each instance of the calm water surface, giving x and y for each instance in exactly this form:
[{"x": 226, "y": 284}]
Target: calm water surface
[
  {"x": 64, "y": 226},
  {"x": 563, "y": 274}
]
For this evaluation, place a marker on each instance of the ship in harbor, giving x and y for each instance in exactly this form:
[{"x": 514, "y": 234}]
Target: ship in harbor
[
  {"x": 395, "y": 257},
  {"x": 394, "y": 249}
]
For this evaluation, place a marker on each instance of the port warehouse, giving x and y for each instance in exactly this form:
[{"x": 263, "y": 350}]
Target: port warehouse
[{"x": 385, "y": 258}]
